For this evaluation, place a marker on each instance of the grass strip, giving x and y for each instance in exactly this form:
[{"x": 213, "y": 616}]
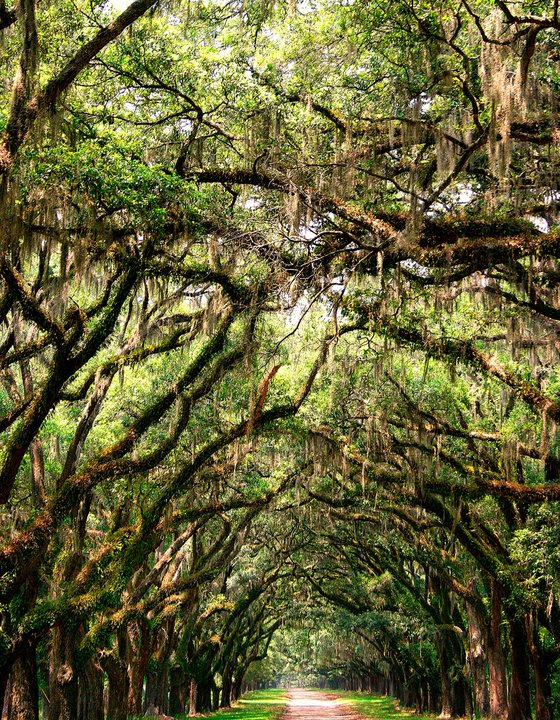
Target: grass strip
[
  {"x": 378, "y": 706},
  {"x": 256, "y": 705}
]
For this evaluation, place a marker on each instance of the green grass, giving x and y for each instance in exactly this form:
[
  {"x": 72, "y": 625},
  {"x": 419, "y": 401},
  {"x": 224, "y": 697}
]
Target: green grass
[
  {"x": 378, "y": 707},
  {"x": 257, "y": 705}
]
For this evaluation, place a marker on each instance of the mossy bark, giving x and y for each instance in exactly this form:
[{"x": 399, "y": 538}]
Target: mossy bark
[{"x": 23, "y": 696}]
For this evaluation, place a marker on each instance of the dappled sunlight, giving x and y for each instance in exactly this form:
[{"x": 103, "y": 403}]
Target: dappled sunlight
[{"x": 308, "y": 702}]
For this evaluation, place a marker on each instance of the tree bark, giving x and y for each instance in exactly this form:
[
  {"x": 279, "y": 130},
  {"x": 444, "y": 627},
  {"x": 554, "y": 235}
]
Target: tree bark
[
  {"x": 90, "y": 692},
  {"x": 118, "y": 687},
  {"x": 477, "y": 662},
  {"x": 447, "y": 663},
  {"x": 497, "y": 674},
  {"x": 178, "y": 690},
  {"x": 193, "y": 698},
  {"x": 63, "y": 679},
  {"x": 226, "y": 688},
  {"x": 23, "y": 697},
  {"x": 204, "y": 695},
  {"x": 157, "y": 680},
  {"x": 138, "y": 650},
  {"x": 520, "y": 680},
  {"x": 238, "y": 682},
  {"x": 4, "y": 695},
  {"x": 543, "y": 709}
]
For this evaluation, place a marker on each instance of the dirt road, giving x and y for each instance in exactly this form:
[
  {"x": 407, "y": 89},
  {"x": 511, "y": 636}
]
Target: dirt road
[{"x": 312, "y": 705}]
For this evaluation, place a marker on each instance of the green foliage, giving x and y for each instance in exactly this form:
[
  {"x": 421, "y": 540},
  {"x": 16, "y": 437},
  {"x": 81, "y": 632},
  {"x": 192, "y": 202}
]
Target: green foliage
[{"x": 279, "y": 349}]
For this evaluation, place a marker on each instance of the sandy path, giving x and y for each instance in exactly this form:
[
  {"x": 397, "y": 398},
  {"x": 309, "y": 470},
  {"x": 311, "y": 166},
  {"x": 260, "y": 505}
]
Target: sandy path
[{"x": 312, "y": 705}]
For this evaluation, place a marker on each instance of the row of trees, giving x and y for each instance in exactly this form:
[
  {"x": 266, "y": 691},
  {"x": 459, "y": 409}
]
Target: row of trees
[{"x": 279, "y": 346}]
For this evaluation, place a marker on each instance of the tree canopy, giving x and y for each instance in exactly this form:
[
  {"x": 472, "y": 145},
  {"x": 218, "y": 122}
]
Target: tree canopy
[{"x": 279, "y": 294}]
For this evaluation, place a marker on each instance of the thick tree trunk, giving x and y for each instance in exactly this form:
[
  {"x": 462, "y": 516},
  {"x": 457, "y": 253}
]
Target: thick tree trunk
[
  {"x": 497, "y": 674},
  {"x": 477, "y": 663},
  {"x": 520, "y": 681},
  {"x": 163, "y": 687},
  {"x": 157, "y": 688},
  {"x": 23, "y": 697},
  {"x": 460, "y": 693},
  {"x": 226, "y": 688},
  {"x": 446, "y": 686},
  {"x": 138, "y": 650},
  {"x": 63, "y": 679},
  {"x": 540, "y": 673},
  {"x": 90, "y": 692},
  {"x": 4, "y": 694},
  {"x": 21, "y": 701},
  {"x": 238, "y": 682},
  {"x": 157, "y": 680},
  {"x": 63, "y": 673},
  {"x": 178, "y": 690},
  {"x": 117, "y": 692},
  {"x": 204, "y": 697}
]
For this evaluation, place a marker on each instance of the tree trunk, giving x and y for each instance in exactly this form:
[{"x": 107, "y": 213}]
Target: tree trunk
[
  {"x": 138, "y": 651},
  {"x": 226, "y": 688},
  {"x": 63, "y": 679},
  {"x": 23, "y": 698},
  {"x": 4, "y": 695},
  {"x": 540, "y": 672},
  {"x": 157, "y": 687},
  {"x": 157, "y": 681},
  {"x": 477, "y": 662},
  {"x": 497, "y": 674},
  {"x": 238, "y": 682},
  {"x": 459, "y": 696},
  {"x": 204, "y": 696},
  {"x": 117, "y": 693},
  {"x": 178, "y": 690},
  {"x": 63, "y": 674},
  {"x": 446, "y": 687},
  {"x": 90, "y": 692},
  {"x": 215, "y": 697},
  {"x": 520, "y": 687},
  {"x": 163, "y": 688},
  {"x": 193, "y": 698}
]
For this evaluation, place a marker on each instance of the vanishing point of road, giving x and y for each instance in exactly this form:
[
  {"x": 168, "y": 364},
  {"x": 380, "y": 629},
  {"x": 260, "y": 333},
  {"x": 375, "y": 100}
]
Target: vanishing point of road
[{"x": 306, "y": 705}]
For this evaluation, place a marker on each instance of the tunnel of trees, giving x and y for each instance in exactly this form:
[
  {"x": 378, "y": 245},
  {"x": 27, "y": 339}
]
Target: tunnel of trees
[{"x": 279, "y": 351}]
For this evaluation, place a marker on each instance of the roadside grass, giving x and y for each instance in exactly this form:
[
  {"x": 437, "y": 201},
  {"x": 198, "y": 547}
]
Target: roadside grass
[
  {"x": 256, "y": 705},
  {"x": 377, "y": 706}
]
